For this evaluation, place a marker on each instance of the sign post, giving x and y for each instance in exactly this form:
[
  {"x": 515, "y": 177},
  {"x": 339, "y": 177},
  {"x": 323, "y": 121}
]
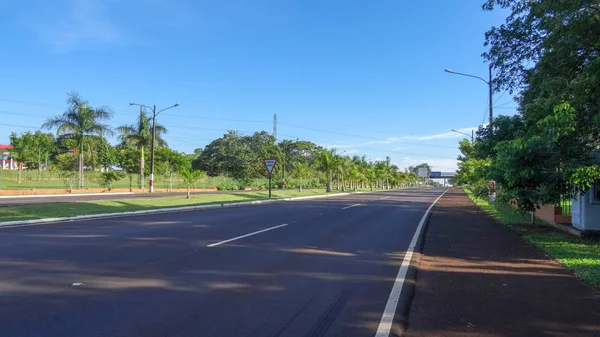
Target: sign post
[{"x": 270, "y": 164}]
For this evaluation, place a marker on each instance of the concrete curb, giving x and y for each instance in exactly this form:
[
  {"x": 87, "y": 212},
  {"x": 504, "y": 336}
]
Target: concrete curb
[
  {"x": 61, "y": 195},
  {"x": 163, "y": 210}
]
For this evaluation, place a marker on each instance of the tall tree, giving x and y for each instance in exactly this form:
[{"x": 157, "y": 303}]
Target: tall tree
[
  {"x": 78, "y": 122},
  {"x": 548, "y": 52},
  {"x": 327, "y": 162},
  {"x": 139, "y": 135},
  {"x": 32, "y": 149}
]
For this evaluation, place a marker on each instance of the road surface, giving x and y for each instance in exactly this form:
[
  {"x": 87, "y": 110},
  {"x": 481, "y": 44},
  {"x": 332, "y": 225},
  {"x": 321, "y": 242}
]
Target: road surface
[{"x": 320, "y": 267}]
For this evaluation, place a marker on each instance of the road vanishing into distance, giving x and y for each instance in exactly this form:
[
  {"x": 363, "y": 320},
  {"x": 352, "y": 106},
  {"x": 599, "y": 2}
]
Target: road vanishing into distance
[{"x": 318, "y": 267}]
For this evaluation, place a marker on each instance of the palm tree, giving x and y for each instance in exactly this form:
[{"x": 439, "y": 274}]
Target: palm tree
[
  {"x": 371, "y": 174},
  {"x": 190, "y": 177},
  {"x": 78, "y": 122},
  {"x": 387, "y": 172},
  {"x": 344, "y": 164},
  {"x": 140, "y": 136},
  {"x": 326, "y": 160},
  {"x": 355, "y": 175},
  {"x": 302, "y": 171}
]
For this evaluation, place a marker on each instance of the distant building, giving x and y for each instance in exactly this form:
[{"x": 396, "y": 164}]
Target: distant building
[{"x": 7, "y": 162}]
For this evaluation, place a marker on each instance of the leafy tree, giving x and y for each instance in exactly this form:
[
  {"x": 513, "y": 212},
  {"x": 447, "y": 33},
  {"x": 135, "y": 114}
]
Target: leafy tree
[
  {"x": 66, "y": 162},
  {"x": 240, "y": 157},
  {"x": 128, "y": 160},
  {"x": 139, "y": 135},
  {"x": 548, "y": 52},
  {"x": 294, "y": 152},
  {"x": 32, "y": 149},
  {"x": 78, "y": 122},
  {"x": 190, "y": 177},
  {"x": 169, "y": 162},
  {"x": 99, "y": 153}
]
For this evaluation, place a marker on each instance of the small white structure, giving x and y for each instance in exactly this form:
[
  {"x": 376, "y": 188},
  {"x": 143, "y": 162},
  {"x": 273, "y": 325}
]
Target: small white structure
[{"x": 585, "y": 211}]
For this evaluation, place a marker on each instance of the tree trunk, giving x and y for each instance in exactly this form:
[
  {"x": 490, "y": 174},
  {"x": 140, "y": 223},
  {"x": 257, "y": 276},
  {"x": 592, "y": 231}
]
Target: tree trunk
[
  {"x": 300, "y": 186},
  {"x": 188, "y": 191},
  {"x": 330, "y": 177},
  {"x": 343, "y": 183},
  {"x": 81, "y": 165},
  {"x": 142, "y": 169}
]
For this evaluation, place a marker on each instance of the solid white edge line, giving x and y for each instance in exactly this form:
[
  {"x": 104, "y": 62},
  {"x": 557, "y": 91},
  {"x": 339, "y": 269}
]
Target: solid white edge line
[
  {"x": 387, "y": 319},
  {"x": 385, "y": 198},
  {"x": 245, "y": 235},
  {"x": 350, "y": 206}
]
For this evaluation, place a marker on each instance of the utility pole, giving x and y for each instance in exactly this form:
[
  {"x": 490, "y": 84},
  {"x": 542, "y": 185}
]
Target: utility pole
[
  {"x": 154, "y": 114},
  {"x": 39, "y": 161},
  {"x": 491, "y": 89},
  {"x": 151, "y": 182},
  {"x": 142, "y": 154},
  {"x": 489, "y": 82},
  {"x": 275, "y": 126}
]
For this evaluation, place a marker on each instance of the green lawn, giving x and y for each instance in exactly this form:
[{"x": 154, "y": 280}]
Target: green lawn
[
  {"x": 57, "y": 210},
  {"x": 580, "y": 255}
]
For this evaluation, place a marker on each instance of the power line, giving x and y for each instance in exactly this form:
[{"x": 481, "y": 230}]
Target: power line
[
  {"x": 246, "y": 131},
  {"x": 287, "y": 124}
]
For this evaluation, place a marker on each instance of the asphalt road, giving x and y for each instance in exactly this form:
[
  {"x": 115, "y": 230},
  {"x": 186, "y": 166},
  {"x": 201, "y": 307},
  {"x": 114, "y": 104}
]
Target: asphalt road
[
  {"x": 4, "y": 201},
  {"x": 320, "y": 267}
]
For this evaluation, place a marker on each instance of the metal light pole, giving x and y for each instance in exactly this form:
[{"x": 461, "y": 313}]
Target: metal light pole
[
  {"x": 488, "y": 82},
  {"x": 154, "y": 114},
  {"x": 466, "y": 134}
]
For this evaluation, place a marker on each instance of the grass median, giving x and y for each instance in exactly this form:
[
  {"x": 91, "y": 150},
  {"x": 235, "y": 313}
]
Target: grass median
[
  {"x": 580, "y": 255},
  {"x": 66, "y": 209}
]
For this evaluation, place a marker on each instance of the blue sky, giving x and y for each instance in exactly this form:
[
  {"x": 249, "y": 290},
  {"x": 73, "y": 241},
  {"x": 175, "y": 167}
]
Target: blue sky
[{"x": 370, "y": 73}]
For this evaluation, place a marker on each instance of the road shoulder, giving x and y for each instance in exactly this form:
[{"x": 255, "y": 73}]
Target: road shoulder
[{"x": 477, "y": 277}]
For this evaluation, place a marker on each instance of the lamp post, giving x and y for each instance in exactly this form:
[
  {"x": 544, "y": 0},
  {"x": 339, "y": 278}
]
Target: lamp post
[
  {"x": 488, "y": 82},
  {"x": 466, "y": 134},
  {"x": 154, "y": 114}
]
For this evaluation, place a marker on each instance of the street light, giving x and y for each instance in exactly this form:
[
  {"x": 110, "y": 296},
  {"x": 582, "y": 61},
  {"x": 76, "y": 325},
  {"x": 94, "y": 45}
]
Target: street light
[
  {"x": 488, "y": 82},
  {"x": 466, "y": 134},
  {"x": 154, "y": 114}
]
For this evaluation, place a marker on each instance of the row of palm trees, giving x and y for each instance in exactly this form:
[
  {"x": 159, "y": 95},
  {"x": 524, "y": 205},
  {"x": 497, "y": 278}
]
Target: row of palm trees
[
  {"x": 80, "y": 121},
  {"x": 356, "y": 172}
]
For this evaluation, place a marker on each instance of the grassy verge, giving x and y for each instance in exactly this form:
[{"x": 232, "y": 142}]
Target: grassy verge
[
  {"x": 58, "y": 210},
  {"x": 580, "y": 255}
]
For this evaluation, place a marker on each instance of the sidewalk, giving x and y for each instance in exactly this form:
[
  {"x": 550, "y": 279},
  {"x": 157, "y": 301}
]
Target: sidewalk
[{"x": 476, "y": 277}]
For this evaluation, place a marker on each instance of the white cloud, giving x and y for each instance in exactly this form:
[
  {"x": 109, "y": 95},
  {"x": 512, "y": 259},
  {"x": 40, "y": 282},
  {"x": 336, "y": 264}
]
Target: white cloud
[
  {"x": 339, "y": 146},
  {"x": 389, "y": 140},
  {"x": 445, "y": 135}
]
